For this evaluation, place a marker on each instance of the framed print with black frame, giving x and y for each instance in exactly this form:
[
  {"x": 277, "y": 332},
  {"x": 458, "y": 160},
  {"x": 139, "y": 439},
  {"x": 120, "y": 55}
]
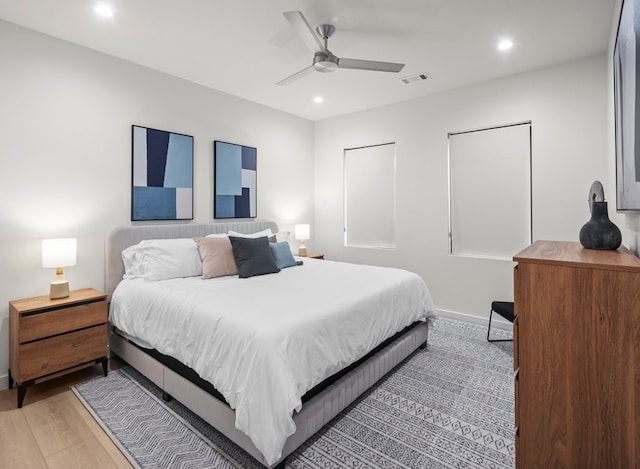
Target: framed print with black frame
[
  {"x": 161, "y": 174},
  {"x": 235, "y": 180}
]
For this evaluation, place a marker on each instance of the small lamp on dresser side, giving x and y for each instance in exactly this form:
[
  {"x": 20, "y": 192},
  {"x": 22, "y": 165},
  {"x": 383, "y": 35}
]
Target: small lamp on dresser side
[
  {"x": 302, "y": 233},
  {"x": 56, "y": 254}
]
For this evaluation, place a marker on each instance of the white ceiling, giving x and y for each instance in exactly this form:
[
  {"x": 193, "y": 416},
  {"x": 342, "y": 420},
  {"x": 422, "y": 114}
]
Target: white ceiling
[{"x": 244, "y": 47}]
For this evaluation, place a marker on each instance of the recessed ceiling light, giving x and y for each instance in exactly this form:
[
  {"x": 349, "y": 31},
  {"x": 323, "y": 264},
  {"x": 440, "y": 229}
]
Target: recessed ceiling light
[
  {"x": 505, "y": 44},
  {"x": 318, "y": 99},
  {"x": 104, "y": 10}
]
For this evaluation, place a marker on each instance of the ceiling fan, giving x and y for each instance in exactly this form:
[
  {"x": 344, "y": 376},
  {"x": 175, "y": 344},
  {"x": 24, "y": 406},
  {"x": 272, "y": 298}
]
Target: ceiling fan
[{"x": 323, "y": 59}]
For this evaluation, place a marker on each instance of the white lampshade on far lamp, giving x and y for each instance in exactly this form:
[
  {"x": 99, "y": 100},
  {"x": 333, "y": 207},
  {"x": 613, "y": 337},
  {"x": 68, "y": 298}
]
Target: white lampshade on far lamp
[
  {"x": 56, "y": 254},
  {"x": 302, "y": 233}
]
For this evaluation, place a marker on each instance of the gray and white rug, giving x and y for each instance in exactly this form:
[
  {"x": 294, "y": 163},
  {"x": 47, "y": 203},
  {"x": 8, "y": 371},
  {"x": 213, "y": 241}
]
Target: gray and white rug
[{"x": 450, "y": 406}]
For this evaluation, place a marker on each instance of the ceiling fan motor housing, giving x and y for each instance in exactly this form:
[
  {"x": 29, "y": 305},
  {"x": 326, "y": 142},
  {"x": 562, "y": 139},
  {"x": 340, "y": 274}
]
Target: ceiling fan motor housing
[{"x": 325, "y": 62}]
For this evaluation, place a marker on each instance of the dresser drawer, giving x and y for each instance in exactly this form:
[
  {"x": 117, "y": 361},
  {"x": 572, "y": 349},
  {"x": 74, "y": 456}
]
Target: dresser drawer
[
  {"x": 58, "y": 321},
  {"x": 63, "y": 351}
]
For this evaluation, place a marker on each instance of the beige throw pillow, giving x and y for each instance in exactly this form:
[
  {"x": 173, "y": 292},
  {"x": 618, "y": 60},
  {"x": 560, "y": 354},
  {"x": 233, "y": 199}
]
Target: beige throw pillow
[{"x": 217, "y": 257}]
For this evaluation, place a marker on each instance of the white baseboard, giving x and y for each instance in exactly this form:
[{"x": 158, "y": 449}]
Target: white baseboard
[
  {"x": 4, "y": 381},
  {"x": 497, "y": 321}
]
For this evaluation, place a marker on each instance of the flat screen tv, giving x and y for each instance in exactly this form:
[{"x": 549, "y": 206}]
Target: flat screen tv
[{"x": 626, "y": 73}]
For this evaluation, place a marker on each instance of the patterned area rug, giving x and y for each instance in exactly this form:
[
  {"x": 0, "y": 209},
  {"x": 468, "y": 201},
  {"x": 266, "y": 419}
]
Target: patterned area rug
[{"x": 450, "y": 406}]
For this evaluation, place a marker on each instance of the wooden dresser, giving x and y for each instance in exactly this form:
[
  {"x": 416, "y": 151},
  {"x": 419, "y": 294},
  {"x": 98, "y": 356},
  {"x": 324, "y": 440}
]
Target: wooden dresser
[
  {"x": 577, "y": 357},
  {"x": 49, "y": 337}
]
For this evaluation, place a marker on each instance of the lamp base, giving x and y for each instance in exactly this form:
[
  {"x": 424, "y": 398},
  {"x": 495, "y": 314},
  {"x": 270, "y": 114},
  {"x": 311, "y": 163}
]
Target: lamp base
[
  {"x": 59, "y": 289},
  {"x": 302, "y": 251}
]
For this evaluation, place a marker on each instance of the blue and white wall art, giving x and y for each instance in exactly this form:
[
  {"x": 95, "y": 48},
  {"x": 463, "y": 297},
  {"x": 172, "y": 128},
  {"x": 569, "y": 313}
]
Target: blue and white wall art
[
  {"x": 162, "y": 175},
  {"x": 235, "y": 176}
]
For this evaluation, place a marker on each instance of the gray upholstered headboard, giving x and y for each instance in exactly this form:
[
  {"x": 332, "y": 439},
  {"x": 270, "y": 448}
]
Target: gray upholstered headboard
[{"x": 125, "y": 236}]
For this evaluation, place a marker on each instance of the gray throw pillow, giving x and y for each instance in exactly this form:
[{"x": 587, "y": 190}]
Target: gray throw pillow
[{"x": 253, "y": 256}]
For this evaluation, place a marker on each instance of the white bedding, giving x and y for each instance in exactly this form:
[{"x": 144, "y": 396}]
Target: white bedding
[{"x": 265, "y": 341}]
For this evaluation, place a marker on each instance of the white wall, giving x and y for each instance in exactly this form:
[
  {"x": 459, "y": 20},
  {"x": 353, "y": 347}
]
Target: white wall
[
  {"x": 567, "y": 105},
  {"x": 65, "y": 146}
]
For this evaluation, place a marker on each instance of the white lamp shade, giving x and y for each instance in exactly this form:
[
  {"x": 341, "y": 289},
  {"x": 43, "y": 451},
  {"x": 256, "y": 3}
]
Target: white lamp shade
[
  {"x": 302, "y": 232},
  {"x": 58, "y": 253}
]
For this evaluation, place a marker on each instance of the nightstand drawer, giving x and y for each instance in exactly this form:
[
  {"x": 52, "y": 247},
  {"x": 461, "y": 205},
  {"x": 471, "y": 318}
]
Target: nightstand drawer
[
  {"x": 58, "y": 321},
  {"x": 64, "y": 351}
]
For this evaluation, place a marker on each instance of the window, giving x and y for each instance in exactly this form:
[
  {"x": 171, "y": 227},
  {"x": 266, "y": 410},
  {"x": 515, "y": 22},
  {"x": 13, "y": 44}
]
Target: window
[
  {"x": 490, "y": 191},
  {"x": 370, "y": 196}
]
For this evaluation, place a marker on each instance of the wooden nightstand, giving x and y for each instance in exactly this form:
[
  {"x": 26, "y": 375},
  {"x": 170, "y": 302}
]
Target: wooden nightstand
[
  {"x": 50, "y": 337},
  {"x": 315, "y": 256}
]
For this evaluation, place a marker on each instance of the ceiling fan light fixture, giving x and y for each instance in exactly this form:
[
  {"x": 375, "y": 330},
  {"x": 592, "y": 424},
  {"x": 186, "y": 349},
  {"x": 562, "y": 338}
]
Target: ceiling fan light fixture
[
  {"x": 325, "y": 67},
  {"x": 325, "y": 63}
]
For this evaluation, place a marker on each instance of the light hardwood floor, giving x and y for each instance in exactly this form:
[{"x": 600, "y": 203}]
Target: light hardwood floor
[{"x": 53, "y": 429}]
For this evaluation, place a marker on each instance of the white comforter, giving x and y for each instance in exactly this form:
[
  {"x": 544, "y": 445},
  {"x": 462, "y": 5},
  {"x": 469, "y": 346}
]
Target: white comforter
[{"x": 265, "y": 341}]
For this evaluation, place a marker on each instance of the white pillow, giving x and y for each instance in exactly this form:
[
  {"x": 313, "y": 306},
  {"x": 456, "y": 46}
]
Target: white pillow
[
  {"x": 161, "y": 259},
  {"x": 132, "y": 263},
  {"x": 257, "y": 234},
  {"x": 279, "y": 237},
  {"x": 217, "y": 235}
]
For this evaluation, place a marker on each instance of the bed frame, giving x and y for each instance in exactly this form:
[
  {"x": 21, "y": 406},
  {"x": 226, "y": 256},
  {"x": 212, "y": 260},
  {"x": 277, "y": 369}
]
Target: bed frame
[{"x": 315, "y": 413}]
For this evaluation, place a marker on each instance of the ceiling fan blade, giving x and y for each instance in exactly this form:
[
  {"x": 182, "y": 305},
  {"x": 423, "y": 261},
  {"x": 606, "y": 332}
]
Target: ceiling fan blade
[
  {"x": 357, "y": 64},
  {"x": 296, "y": 76},
  {"x": 304, "y": 30}
]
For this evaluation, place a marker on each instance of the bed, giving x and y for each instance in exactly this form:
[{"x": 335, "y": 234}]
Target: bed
[{"x": 266, "y": 360}]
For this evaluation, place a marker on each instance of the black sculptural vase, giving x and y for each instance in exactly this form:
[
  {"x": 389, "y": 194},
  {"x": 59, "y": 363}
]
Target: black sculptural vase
[{"x": 600, "y": 232}]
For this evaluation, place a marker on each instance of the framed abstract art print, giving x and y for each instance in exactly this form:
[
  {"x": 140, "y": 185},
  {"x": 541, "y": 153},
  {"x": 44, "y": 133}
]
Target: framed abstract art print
[
  {"x": 235, "y": 178},
  {"x": 162, "y": 175}
]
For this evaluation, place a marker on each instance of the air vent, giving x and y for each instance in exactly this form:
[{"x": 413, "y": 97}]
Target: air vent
[{"x": 414, "y": 78}]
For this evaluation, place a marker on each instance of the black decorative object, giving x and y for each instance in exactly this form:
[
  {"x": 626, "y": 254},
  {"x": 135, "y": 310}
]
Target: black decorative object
[{"x": 599, "y": 232}]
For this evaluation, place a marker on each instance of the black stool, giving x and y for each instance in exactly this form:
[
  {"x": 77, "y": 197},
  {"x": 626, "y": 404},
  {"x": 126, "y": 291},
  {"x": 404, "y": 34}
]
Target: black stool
[{"x": 504, "y": 309}]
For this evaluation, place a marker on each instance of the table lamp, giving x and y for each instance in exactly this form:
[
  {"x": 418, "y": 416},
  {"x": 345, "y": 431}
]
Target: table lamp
[
  {"x": 56, "y": 254},
  {"x": 302, "y": 233}
]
